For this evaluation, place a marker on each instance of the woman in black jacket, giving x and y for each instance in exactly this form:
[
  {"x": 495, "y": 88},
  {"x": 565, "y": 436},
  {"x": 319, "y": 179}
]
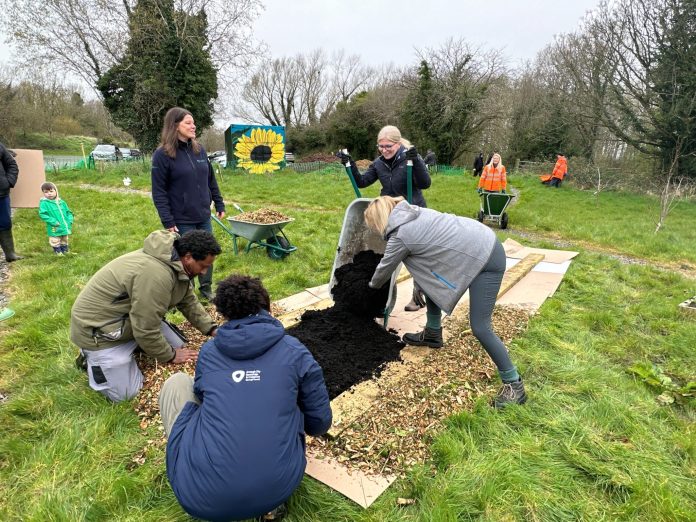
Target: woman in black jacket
[
  {"x": 390, "y": 169},
  {"x": 8, "y": 177},
  {"x": 183, "y": 183}
]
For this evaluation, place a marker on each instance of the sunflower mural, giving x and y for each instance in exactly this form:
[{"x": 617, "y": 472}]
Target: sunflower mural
[{"x": 257, "y": 149}]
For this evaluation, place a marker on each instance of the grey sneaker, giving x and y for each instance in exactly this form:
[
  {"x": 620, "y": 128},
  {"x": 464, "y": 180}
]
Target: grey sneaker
[
  {"x": 428, "y": 337},
  {"x": 510, "y": 393}
]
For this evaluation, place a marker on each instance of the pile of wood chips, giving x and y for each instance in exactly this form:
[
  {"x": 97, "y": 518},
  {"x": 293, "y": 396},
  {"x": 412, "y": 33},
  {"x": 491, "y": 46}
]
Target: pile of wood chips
[
  {"x": 262, "y": 216},
  {"x": 363, "y": 164},
  {"x": 397, "y": 431}
]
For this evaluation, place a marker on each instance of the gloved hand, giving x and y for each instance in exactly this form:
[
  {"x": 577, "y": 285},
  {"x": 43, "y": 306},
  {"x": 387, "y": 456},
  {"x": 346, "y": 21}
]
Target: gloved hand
[
  {"x": 411, "y": 153},
  {"x": 479, "y": 190},
  {"x": 503, "y": 191},
  {"x": 344, "y": 156}
]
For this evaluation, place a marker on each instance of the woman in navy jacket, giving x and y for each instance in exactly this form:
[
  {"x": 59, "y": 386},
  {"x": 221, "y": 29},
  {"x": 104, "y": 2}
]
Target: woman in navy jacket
[
  {"x": 390, "y": 169},
  {"x": 183, "y": 183},
  {"x": 236, "y": 444}
]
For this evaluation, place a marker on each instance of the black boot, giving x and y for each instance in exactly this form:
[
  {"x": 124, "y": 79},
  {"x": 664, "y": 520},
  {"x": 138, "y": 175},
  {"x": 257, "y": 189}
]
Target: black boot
[
  {"x": 510, "y": 393},
  {"x": 431, "y": 337},
  {"x": 7, "y": 245}
]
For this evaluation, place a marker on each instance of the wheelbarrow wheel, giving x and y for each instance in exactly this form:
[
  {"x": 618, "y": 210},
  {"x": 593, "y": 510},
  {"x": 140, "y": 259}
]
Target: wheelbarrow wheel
[
  {"x": 479, "y": 216},
  {"x": 280, "y": 241},
  {"x": 504, "y": 221}
]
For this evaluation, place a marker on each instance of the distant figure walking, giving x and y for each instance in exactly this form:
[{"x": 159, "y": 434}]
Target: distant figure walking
[{"x": 478, "y": 164}]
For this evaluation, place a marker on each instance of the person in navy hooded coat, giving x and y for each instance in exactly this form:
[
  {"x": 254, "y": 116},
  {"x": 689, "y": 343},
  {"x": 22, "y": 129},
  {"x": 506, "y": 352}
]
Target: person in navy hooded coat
[{"x": 236, "y": 432}]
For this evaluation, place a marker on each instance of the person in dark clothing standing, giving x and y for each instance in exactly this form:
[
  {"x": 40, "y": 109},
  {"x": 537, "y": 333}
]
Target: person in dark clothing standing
[
  {"x": 478, "y": 164},
  {"x": 236, "y": 431},
  {"x": 430, "y": 160},
  {"x": 9, "y": 172},
  {"x": 183, "y": 183},
  {"x": 390, "y": 169}
]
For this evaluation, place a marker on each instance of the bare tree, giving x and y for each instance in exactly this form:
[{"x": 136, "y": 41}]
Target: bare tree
[{"x": 87, "y": 37}]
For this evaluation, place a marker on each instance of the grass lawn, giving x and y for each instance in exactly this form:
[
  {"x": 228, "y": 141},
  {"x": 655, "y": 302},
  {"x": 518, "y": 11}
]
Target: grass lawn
[{"x": 593, "y": 443}]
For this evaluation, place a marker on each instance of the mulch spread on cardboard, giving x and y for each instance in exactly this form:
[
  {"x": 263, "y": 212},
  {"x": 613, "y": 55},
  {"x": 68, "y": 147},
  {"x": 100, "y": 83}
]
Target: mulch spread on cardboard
[{"x": 397, "y": 431}]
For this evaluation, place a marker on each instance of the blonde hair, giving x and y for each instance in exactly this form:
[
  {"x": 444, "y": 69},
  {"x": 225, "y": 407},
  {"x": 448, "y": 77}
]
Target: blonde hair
[
  {"x": 377, "y": 213},
  {"x": 393, "y": 134},
  {"x": 500, "y": 160}
]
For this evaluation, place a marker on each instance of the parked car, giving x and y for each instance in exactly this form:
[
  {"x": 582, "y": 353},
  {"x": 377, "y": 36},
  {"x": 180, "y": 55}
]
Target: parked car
[
  {"x": 219, "y": 160},
  {"x": 105, "y": 153},
  {"x": 126, "y": 154},
  {"x": 135, "y": 153},
  {"x": 216, "y": 154}
]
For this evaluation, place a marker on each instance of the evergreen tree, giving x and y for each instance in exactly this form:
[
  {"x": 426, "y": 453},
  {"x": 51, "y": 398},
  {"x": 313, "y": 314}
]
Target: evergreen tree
[{"x": 166, "y": 64}]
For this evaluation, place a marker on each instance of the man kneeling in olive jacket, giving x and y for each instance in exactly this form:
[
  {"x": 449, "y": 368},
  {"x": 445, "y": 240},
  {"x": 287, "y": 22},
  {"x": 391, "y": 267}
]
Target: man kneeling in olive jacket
[{"x": 123, "y": 305}]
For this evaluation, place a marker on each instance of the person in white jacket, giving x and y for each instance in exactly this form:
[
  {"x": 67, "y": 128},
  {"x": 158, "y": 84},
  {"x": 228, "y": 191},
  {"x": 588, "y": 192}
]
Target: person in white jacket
[{"x": 446, "y": 255}]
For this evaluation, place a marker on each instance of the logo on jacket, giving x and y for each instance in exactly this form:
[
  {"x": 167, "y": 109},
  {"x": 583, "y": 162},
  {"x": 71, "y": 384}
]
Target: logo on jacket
[{"x": 247, "y": 376}]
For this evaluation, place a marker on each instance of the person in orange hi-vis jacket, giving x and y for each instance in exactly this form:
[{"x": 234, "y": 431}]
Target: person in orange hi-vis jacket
[
  {"x": 559, "y": 171},
  {"x": 493, "y": 178}
]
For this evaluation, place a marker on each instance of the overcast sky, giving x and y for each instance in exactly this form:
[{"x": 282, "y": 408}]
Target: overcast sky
[
  {"x": 383, "y": 31},
  {"x": 388, "y": 31}
]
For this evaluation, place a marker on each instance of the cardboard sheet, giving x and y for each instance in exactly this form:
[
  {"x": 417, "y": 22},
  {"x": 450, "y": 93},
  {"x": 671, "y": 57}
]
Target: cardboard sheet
[
  {"x": 27, "y": 191},
  {"x": 360, "y": 488},
  {"x": 531, "y": 292},
  {"x": 516, "y": 250}
]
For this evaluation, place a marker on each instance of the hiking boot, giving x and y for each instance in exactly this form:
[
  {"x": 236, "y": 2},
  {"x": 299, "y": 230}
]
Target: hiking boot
[
  {"x": 510, "y": 393},
  {"x": 428, "y": 337},
  {"x": 413, "y": 306},
  {"x": 206, "y": 293},
  {"x": 277, "y": 514}
]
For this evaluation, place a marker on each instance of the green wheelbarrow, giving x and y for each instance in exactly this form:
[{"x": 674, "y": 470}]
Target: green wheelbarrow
[
  {"x": 263, "y": 235},
  {"x": 493, "y": 206}
]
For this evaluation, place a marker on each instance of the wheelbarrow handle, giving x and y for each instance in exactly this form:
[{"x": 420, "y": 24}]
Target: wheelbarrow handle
[
  {"x": 349, "y": 171},
  {"x": 409, "y": 181}
]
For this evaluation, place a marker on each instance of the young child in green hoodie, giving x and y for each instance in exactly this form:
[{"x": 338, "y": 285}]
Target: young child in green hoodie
[{"x": 58, "y": 217}]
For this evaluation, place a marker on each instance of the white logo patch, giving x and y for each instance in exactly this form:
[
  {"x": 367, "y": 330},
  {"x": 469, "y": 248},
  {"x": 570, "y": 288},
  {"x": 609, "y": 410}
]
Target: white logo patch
[{"x": 246, "y": 376}]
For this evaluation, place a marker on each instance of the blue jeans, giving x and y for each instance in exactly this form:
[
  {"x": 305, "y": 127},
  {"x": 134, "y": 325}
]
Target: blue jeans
[{"x": 204, "y": 280}]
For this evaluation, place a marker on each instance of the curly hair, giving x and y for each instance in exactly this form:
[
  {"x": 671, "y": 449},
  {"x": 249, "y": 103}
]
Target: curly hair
[
  {"x": 238, "y": 296},
  {"x": 199, "y": 243}
]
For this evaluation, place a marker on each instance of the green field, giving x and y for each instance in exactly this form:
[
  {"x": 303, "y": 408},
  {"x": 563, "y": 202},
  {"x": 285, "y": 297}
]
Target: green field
[{"x": 608, "y": 432}]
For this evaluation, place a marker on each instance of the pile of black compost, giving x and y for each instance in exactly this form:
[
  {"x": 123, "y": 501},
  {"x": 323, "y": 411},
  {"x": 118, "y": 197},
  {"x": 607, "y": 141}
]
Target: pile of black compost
[
  {"x": 350, "y": 349},
  {"x": 345, "y": 340},
  {"x": 351, "y": 292}
]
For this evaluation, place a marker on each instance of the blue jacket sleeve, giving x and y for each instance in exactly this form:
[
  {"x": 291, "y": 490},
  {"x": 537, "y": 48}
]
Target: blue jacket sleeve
[
  {"x": 364, "y": 180},
  {"x": 313, "y": 399},
  {"x": 160, "y": 182},
  {"x": 215, "y": 190}
]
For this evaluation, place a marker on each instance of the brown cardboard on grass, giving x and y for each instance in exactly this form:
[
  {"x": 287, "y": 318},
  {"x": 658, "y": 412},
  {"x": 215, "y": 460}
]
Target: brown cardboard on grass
[
  {"x": 27, "y": 192},
  {"x": 515, "y": 250}
]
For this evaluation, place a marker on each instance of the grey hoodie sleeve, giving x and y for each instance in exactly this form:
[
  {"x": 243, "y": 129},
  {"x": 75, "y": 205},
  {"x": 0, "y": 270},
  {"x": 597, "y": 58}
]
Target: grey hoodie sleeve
[{"x": 394, "y": 254}]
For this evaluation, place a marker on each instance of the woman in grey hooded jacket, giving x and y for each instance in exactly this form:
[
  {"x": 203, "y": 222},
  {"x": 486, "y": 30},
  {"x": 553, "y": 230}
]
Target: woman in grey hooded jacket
[{"x": 446, "y": 255}]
